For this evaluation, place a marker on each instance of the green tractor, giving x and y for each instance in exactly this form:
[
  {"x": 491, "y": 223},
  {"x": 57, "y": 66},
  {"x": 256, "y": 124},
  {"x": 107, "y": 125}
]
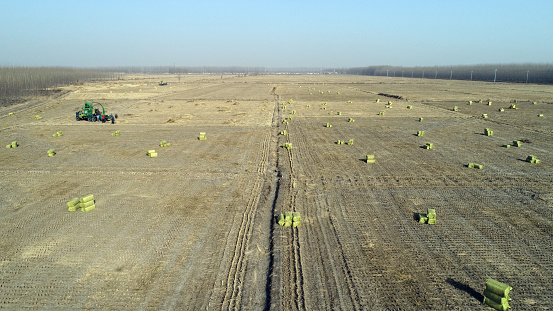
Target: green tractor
[{"x": 89, "y": 113}]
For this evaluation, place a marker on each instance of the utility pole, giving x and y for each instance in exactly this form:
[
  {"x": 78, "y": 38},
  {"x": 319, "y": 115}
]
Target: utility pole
[
  {"x": 494, "y": 75},
  {"x": 527, "y": 71},
  {"x": 386, "y": 72},
  {"x": 436, "y": 75},
  {"x": 451, "y": 75},
  {"x": 471, "y": 75}
]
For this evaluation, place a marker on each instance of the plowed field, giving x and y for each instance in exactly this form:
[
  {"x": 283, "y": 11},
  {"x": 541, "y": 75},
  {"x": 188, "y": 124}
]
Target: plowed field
[{"x": 195, "y": 228}]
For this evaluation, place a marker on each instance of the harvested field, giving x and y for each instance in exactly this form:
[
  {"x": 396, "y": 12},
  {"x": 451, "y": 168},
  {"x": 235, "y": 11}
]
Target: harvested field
[{"x": 195, "y": 227}]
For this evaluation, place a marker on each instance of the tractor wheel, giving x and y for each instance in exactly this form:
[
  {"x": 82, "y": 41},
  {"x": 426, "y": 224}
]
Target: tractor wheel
[
  {"x": 116, "y": 115},
  {"x": 77, "y": 118}
]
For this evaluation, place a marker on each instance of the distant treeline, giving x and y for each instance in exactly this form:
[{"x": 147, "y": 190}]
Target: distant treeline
[
  {"x": 19, "y": 82},
  {"x": 514, "y": 73},
  {"x": 237, "y": 70}
]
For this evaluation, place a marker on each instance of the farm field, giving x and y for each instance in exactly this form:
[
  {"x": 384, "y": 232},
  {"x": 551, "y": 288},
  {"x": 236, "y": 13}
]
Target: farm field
[{"x": 195, "y": 227}]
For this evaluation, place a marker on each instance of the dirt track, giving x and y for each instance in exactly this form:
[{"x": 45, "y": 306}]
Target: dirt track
[{"x": 195, "y": 227}]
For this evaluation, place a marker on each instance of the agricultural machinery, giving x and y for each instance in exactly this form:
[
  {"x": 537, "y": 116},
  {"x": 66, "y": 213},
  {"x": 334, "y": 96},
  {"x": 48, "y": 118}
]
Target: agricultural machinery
[
  {"x": 163, "y": 83},
  {"x": 89, "y": 113}
]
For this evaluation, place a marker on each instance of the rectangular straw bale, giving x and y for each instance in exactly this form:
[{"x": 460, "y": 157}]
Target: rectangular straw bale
[
  {"x": 431, "y": 221},
  {"x": 296, "y": 223},
  {"x": 88, "y": 209},
  {"x": 87, "y": 198},
  {"x": 431, "y": 213},
  {"x": 495, "y": 298},
  {"x": 422, "y": 218},
  {"x": 288, "y": 224},
  {"x": 495, "y": 305},
  {"x": 296, "y": 216},
  {"x": 87, "y": 204},
  {"x": 153, "y": 155},
  {"x": 281, "y": 219},
  {"x": 72, "y": 208},
  {"x": 498, "y": 288},
  {"x": 288, "y": 216},
  {"x": 73, "y": 202}
]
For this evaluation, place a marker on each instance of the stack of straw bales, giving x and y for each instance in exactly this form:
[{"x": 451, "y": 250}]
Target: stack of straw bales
[
  {"x": 496, "y": 295},
  {"x": 484, "y": 115},
  {"x": 513, "y": 106},
  {"x": 290, "y": 219},
  {"x": 351, "y": 120},
  {"x": 517, "y": 143},
  {"x": 532, "y": 159},
  {"x": 151, "y": 153},
  {"x": 370, "y": 159},
  {"x": 283, "y": 133},
  {"x": 429, "y": 217},
  {"x": 14, "y": 144},
  {"x": 58, "y": 133},
  {"x": 428, "y": 146},
  {"x": 328, "y": 125},
  {"x": 117, "y": 133},
  {"x": 51, "y": 152},
  {"x": 475, "y": 165},
  {"x": 163, "y": 143},
  {"x": 381, "y": 113},
  {"x": 420, "y": 133},
  {"x": 488, "y": 132},
  {"x": 202, "y": 136},
  {"x": 287, "y": 146},
  {"x": 37, "y": 117},
  {"x": 86, "y": 204}
]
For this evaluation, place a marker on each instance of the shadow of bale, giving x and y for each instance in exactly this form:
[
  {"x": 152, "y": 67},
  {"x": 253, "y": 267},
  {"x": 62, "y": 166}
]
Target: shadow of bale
[{"x": 466, "y": 288}]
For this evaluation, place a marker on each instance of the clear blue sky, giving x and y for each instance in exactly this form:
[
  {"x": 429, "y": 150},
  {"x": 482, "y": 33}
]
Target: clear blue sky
[{"x": 274, "y": 33}]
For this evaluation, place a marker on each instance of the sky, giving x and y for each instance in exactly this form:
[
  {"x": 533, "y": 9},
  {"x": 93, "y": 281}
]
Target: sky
[{"x": 337, "y": 34}]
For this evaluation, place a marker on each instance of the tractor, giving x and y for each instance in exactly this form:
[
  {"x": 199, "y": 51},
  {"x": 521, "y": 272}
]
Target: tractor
[
  {"x": 163, "y": 83},
  {"x": 89, "y": 113}
]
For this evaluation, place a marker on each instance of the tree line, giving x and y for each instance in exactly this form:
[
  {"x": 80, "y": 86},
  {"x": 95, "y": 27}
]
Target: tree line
[
  {"x": 19, "y": 82},
  {"x": 513, "y": 73}
]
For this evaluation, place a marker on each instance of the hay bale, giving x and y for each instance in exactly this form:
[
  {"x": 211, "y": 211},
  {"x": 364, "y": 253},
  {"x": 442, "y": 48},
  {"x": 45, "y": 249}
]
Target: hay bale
[
  {"x": 288, "y": 216},
  {"x": 296, "y": 216},
  {"x": 87, "y": 204},
  {"x": 281, "y": 219},
  {"x": 87, "y": 198},
  {"x": 72, "y": 208},
  {"x": 8, "y": 146},
  {"x": 496, "y": 298},
  {"x": 153, "y": 155},
  {"x": 485, "y": 115},
  {"x": 350, "y": 142},
  {"x": 431, "y": 213},
  {"x": 296, "y": 224},
  {"x": 507, "y": 146},
  {"x": 88, "y": 209},
  {"x": 431, "y": 221},
  {"x": 370, "y": 159},
  {"x": 498, "y": 306},
  {"x": 421, "y": 119},
  {"x": 517, "y": 143},
  {"x": 422, "y": 218},
  {"x": 73, "y": 202},
  {"x": 498, "y": 288},
  {"x": 15, "y": 144},
  {"x": 288, "y": 224}
]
